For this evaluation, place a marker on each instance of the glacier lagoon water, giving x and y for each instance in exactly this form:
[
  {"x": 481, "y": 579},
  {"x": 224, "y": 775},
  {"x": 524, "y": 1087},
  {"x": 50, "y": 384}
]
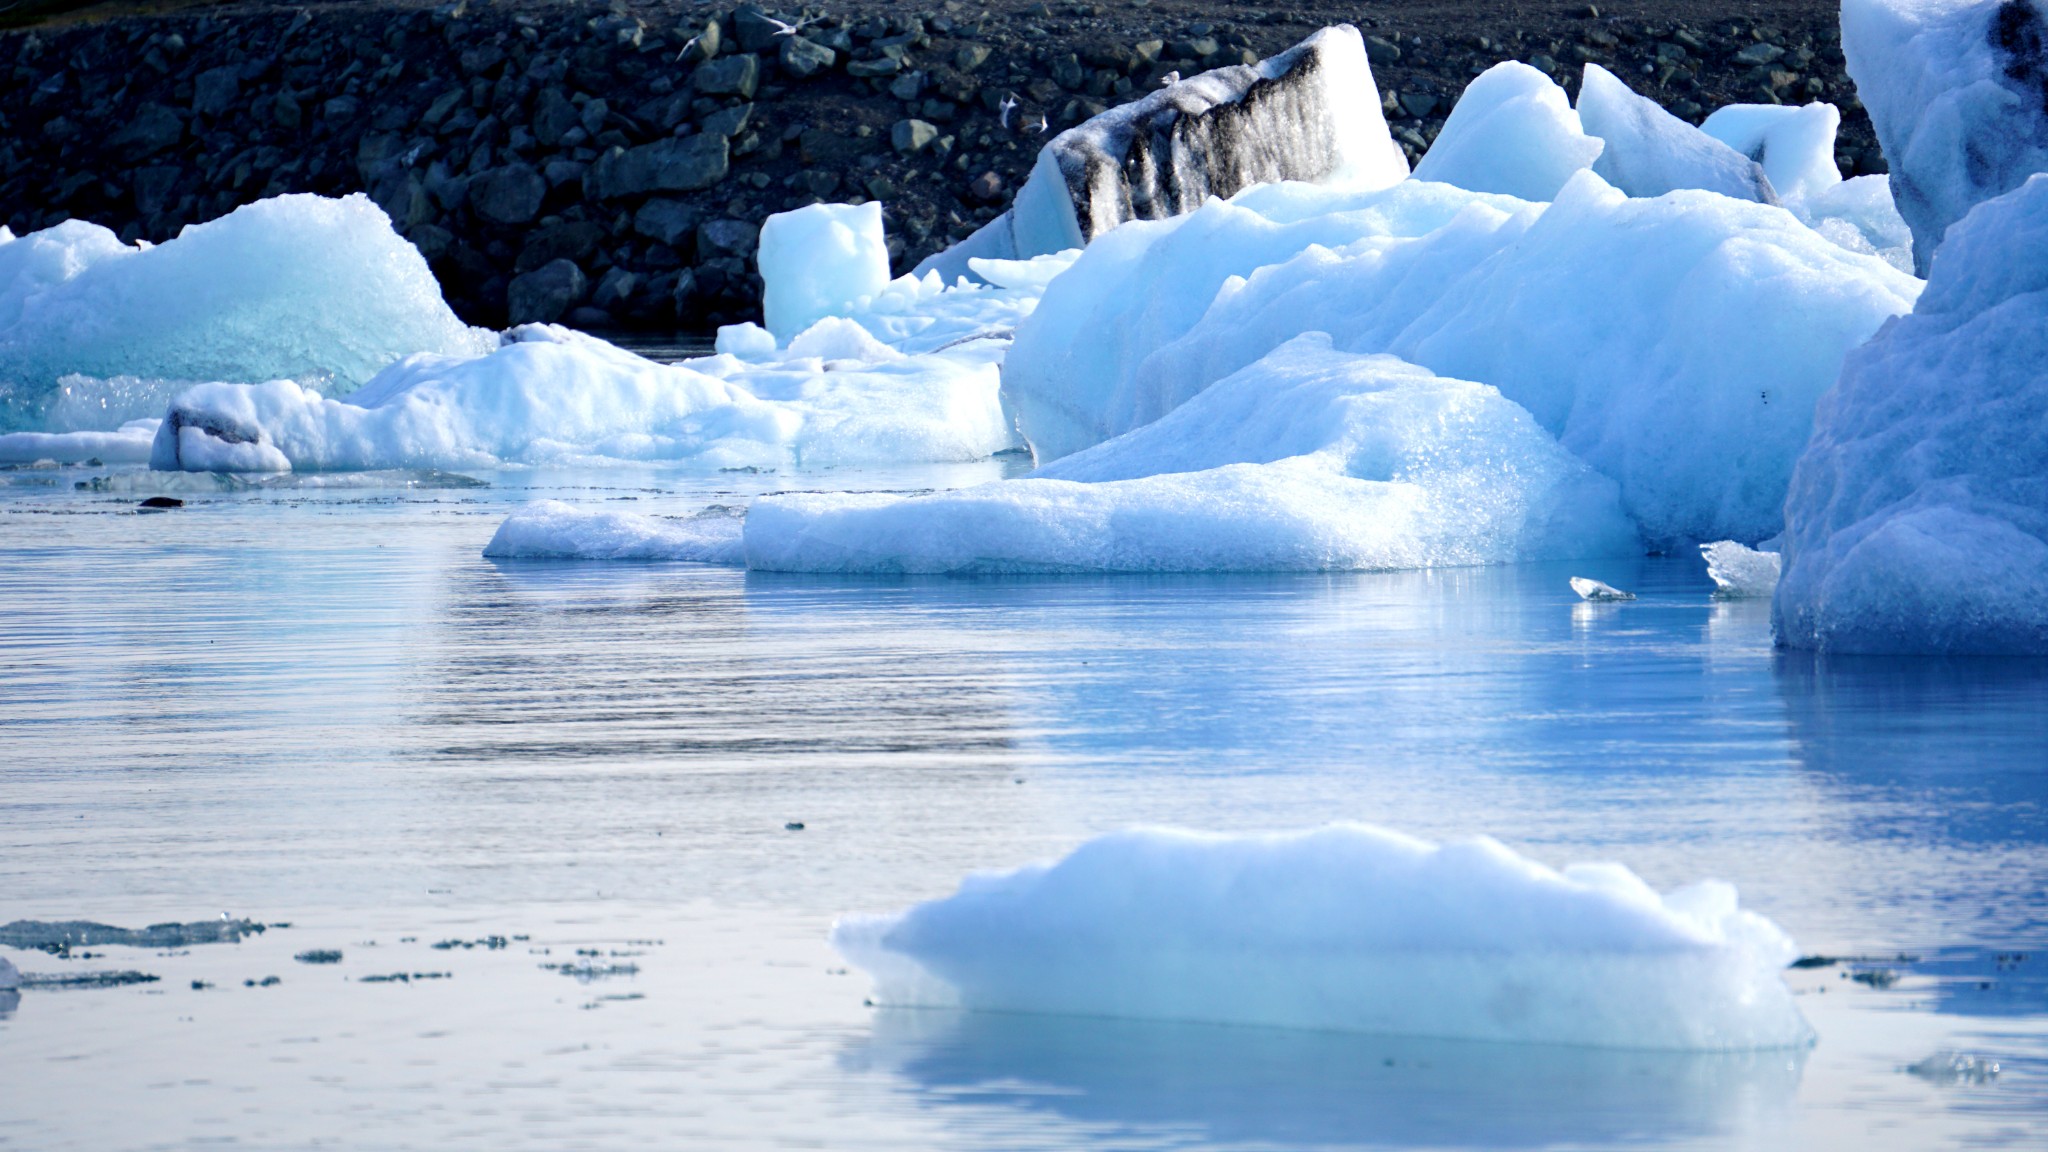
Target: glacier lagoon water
[{"x": 314, "y": 702}]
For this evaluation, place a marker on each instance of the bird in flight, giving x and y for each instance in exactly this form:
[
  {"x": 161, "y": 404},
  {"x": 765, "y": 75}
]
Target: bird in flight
[
  {"x": 1171, "y": 78},
  {"x": 1009, "y": 106}
]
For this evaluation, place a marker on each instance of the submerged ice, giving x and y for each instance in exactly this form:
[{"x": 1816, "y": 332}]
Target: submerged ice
[{"x": 1344, "y": 928}]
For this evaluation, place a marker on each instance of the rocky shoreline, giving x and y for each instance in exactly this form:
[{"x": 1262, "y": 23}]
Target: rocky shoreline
[{"x": 609, "y": 166}]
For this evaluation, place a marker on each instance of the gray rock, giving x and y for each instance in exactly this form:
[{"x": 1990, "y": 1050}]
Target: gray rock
[
  {"x": 704, "y": 45},
  {"x": 874, "y": 69},
  {"x": 968, "y": 57},
  {"x": 152, "y": 129},
  {"x": 672, "y": 165},
  {"x": 729, "y": 76},
  {"x": 907, "y": 86},
  {"x": 614, "y": 290},
  {"x": 753, "y": 29},
  {"x": 443, "y": 105},
  {"x": 727, "y": 237},
  {"x": 432, "y": 240},
  {"x": 802, "y": 58},
  {"x": 508, "y": 195},
  {"x": 592, "y": 116},
  {"x": 912, "y": 136},
  {"x": 340, "y": 110},
  {"x": 986, "y": 187},
  {"x": 544, "y": 294},
  {"x": 576, "y": 241},
  {"x": 1417, "y": 104},
  {"x": 729, "y": 122},
  {"x": 215, "y": 90},
  {"x": 560, "y": 172},
  {"x": 667, "y": 222},
  {"x": 153, "y": 187},
  {"x": 1381, "y": 51},
  {"x": 1759, "y": 54},
  {"x": 552, "y": 116},
  {"x": 286, "y": 112},
  {"x": 821, "y": 146}
]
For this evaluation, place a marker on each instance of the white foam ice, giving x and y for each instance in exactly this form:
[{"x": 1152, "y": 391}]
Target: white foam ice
[
  {"x": 1741, "y": 572},
  {"x": 1307, "y": 460},
  {"x": 303, "y": 286},
  {"x": 1958, "y": 93},
  {"x": 128, "y": 444},
  {"x": 551, "y": 394},
  {"x": 1918, "y": 519},
  {"x": 1649, "y": 152},
  {"x": 819, "y": 261},
  {"x": 1344, "y": 928},
  {"x": 553, "y": 530},
  {"x": 1513, "y": 131}
]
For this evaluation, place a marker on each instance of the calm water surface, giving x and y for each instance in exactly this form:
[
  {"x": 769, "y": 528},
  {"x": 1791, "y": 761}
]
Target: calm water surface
[{"x": 313, "y": 702}]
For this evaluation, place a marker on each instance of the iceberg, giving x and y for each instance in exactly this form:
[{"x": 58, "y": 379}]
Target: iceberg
[
  {"x": 1676, "y": 344},
  {"x": 1650, "y": 152},
  {"x": 1514, "y": 132},
  {"x": 1918, "y": 518},
  {"x": 1307, "y": 460},
  {"x": 553, "y": 530},
  {"x": 1311, "y": 113},
  {"x": 321, "y": 290},
  {"x": 128, "y": 444},
  {"x": 550, "y": 394},
  {"x": 1739, "y": 572},
  {"x": 820, "y": 261},
  {"x": 10, "y": 976},
  {"x": 1598, "y": 591},
  {"x": 1795, "y": 146},
  {"x": 1958, "y": 93},
  {"x": 1344, "y": 928}
]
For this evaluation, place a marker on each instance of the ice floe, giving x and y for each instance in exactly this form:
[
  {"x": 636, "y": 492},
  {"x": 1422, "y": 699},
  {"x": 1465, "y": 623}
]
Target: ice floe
[
  {"x": 1918, "y": 519},
  {"x": 128, "y": 444},
  {"x": 1739, "y": 572},
  {"x": 553, "y": 530},
  {"x": 1308, "y": 459},
  {"x": 1344, "y": 928},
  {"x": 301, "y": 286}
]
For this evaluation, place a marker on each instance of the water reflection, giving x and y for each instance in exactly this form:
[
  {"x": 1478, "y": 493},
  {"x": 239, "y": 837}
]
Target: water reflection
[{"x": 1272, "y": 1087}]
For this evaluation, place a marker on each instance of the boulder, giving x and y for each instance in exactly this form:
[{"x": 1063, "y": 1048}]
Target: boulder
[
  {"x": 803, "y": 58},
  {"x": 728, "y": 76},
  {"x": 508, "y": 195},
  {"x": 545, "y": 294},
  {"x": 672, "y": 165}
]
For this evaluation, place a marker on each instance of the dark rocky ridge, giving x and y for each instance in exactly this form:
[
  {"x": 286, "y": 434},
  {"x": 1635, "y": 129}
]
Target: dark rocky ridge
[{"x": 592, "y": 163}]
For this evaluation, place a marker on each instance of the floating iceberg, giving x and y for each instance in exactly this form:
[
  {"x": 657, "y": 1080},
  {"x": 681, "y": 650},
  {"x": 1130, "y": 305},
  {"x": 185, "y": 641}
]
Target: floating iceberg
[
  {"x": 551, "y": 394},
  {"x": 552, "y": 530},
  {"x": 297, "y": 286},
  {"x": 1650, "y": 152},
  {"x": 1307, "y": 460},
  {"x": 1739, "y": 572},
  {"x": 10, "y": 976},
  {"x": 1310, "y": 113},
  {"x": 1918, "y": 518},
  {"x": 128, "y": 444},
  {"x": 820, "y": 261},
  {"x": 1958, "y": 93},
  {"x": 1598, "y": 591},
  {"x": 1513, "y": 132},
  {"x": 1346, "y": 928},
  {"x": 1676, "y": 344}
]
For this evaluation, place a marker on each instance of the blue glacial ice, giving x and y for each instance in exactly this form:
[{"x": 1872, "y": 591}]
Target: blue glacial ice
[{"x": 1344, "y": 928}]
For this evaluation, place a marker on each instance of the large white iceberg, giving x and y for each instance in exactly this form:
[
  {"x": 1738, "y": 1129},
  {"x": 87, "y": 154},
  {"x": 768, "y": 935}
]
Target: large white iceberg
[
  {"x": 1650, "y": 152},
  {"x": 1513, "y": 131},
  {"x": 1676, "y": 344},
  {"x": 1958, "y": 93},
  {"x": 321, "y": 290},
  {"x": 1309, "y": 459},
  {"x": 551, "y": 394},
  {"x": 1918, "y": 518},
  {"x": 1346, "y": 928},
  {"x": 1310, "y": 113}
]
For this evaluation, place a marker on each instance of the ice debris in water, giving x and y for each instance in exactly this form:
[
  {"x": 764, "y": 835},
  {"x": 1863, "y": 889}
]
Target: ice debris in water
[
  {"x": 1918, "y": 521},
  {"x": 10, "y": 976},
  {"x": 301, "y": 286},
  {"x": 1947, "y": 1067},
  {"x": 1738, "y": 571},
  {"x": 1958, "y": 93},
  {"x": 1591, "y": 589},
  {"x": 1344, "y": 928},
  {"x": 1309, "y": 459},
  {"x": 62, "y": 935},
  {"x": 553, "y": 530}
]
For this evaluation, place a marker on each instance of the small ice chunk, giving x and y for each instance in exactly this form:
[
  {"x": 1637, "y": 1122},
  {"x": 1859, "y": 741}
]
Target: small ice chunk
[
  {"x": 1947, "y": 1067},
  {"x": 553, "y": 530},
  {"x": 1591, "y": 589},
  {"x": 1512, "y": 132},
  {"x": 837, "y": 338},
  {"x": 746, "y": 340},
  {"x": 1650, "y": 152},
  {"x": 1795, "y": 145},
  {"x": 1739, "y": 572},
  {"x": 1344, "y": 928},
  {"x": 820, "y": 261},
  {"x": 10, "y": 976}
]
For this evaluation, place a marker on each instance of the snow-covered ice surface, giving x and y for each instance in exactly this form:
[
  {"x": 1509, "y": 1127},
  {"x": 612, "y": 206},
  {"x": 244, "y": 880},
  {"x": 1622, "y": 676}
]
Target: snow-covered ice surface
[
  {"x": 1307, "y": 460},
  {"x": 128, "y": 444},
  {"x": 1958, "y": 93},
  {"x": 1739, "y": 571},
  {"x": 296, "y": 286},
  {"x": 1346, "y": 928},
  {"x": 1918, "y": 519}
]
